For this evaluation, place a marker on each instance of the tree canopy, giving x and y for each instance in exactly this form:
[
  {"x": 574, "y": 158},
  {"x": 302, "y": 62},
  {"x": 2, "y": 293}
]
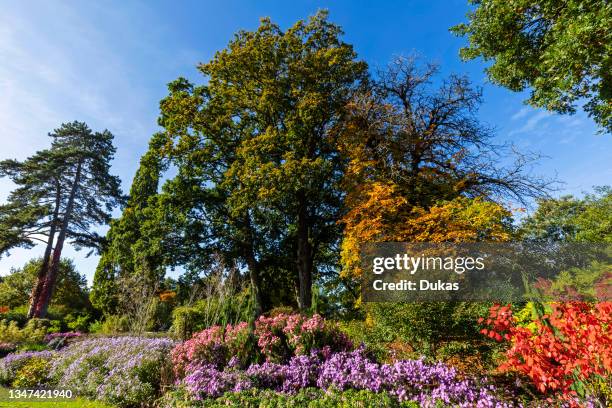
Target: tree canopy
[
  {"x": 257, "y": 162},
  {"x": 572, "y": 219},
  {"x": 560, "y": 49},
  {"x": 423, "y": 167}
]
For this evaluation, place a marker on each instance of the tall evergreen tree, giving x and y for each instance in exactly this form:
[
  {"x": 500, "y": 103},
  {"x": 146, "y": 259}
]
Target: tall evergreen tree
[
  {"x": 61, "y": 193},
  {"x": 129, "y": 247}
]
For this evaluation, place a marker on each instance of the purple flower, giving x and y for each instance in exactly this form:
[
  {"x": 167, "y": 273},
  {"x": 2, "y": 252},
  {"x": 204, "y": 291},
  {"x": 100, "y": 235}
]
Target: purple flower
[
  {"x": 120, "y": 370},
  {"x": 66, "y": 335},
  {"x": 429, "y": 385}
]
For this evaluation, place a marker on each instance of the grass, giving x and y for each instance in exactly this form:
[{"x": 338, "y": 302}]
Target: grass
[{"x": 75, "y": 403}]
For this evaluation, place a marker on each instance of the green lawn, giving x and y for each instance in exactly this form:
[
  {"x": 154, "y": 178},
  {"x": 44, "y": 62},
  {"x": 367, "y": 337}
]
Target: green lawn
[{"x": 76, "y": 403}]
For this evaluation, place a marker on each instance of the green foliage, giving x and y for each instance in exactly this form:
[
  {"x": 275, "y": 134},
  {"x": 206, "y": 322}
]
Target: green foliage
[
  {"x": 75, "y": 403},
  {"x": 375, "y": 337},
  {"x": 586, "y": 282},
  {"x": 18, "y": 314},
  {"x": 62, "y": 193},
  {"x": 111, "y": 324},
  {"x": 70, "y": 294},
  {"x": 32, "y": 374},
  {"x": 572, "y": 219},
  {"x": 217, "y": 299},
  {"x": 425, "y": 325},
  {"x": 77, "y": 322},
  {"x": 560, "y": 49},
  {"x": 305, "y": 398},
  {"x": 133, "y": 241},
  {"x": 95, "y": 327},
  {"x": 211, "y": 311},
  {"x": 257, "y": 167},
  {"x": 33, "y": 332},
  {"x": 11, "y": 365}
]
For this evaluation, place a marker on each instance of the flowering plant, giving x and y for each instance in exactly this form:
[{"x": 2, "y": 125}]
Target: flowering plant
[
  {"x": 213, "y": 346},
  {"x": 276, "y": 339},
  {"x": 283, "y": 336},
  {"x": 126, "y": 371},
  {"x": 66, "y": 335},
  {"x": 406, "y": 380}
]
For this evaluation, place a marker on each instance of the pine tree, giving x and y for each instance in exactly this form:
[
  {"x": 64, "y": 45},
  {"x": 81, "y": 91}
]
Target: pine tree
[{"x": 61, "y": 193}]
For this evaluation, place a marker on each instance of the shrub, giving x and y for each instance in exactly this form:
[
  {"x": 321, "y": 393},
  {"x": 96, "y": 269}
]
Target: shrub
[
  {"x": 77, "y": 322},
  {"x": 563, "y": 351},
  {"x": 123, "y": 370},
  {"x": 17, "y": 314},
  {"x": 95, "y": 327},
  {"x": 215, "y": 346},
  {"x": 283, "y": 336},
  {"x": 426, "y": 325},
  {"x": 186, "y": 320},
  {"x": 11, "y": 364},
  {"x": 33, "y": 332},
  {"x": 33, "y": 373},
  {"x": 113, "y": 324},
  {"x": 376, "y": 340},
  {"x": 221, "y": 307}
]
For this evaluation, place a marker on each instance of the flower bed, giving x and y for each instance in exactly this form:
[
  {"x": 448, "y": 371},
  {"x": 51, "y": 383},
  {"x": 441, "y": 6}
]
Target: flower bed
[
  {"x": 121, "y": 370},
  {"x": 406, "y": 380},
  {"x": 291, "y": 353},
  {"x": 275, "y": 339}
]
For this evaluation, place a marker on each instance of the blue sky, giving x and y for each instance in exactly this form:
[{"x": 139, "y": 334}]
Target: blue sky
[{"x": 108, "y": 63}]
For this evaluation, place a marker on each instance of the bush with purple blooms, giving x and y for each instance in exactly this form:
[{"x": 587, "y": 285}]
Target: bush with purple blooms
[
  {"x": 429, "y": 385},
  {"x": 126, "y": 371}
]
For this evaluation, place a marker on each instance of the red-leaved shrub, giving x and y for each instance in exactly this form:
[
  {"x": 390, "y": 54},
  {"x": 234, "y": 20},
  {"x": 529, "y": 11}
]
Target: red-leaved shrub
[{"x": 562, "y": 350}]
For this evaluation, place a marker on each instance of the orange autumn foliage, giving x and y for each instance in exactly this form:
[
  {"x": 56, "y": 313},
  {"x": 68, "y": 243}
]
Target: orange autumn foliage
[{"x": 381, "y": 214}]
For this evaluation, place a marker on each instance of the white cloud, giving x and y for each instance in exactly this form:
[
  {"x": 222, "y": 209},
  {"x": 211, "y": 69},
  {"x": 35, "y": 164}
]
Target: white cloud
[
  {"x": 537, "y": 121},
  {"x": 521, "y": 113}
]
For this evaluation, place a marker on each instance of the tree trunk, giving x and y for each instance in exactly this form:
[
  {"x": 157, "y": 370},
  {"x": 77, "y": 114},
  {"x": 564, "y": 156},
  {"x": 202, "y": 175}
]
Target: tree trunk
[
  {"x": 255, "y": 285},
  {"x": 42, "y": 272},
  {"x": 304, "y": 256},
  {"x": 254, "y": 272},
  {"x": 47, "y": 290}
]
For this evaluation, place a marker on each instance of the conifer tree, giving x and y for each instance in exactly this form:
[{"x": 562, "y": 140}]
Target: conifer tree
[{"x": 62, "y": 193}]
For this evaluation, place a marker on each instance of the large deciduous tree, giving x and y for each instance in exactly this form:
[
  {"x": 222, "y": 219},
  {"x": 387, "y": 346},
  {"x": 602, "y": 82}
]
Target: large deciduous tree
[
  {"x": 256, "y": 157},
  {"x": 423, "y": 167},
  {"x": 561, "y": 49},
  {"x": 61, "y": 194}
]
